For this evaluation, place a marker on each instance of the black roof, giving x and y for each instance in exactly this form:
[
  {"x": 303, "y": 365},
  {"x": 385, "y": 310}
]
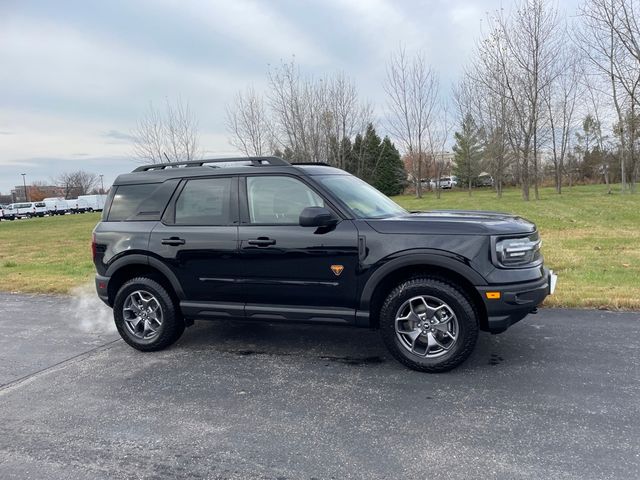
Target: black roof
[{"x": 159, "y": 172}]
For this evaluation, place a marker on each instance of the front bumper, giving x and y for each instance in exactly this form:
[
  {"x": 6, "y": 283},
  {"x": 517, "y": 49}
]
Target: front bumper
[{"x": 516, "y": 301}]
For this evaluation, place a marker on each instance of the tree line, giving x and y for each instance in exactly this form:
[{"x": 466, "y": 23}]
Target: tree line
[{"x": 546, "y": 95}]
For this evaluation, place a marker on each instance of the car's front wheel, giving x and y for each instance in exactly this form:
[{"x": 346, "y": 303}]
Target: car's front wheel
[
  {"x": 429, "y": 324},
  {"x": 146, "y": 316}
]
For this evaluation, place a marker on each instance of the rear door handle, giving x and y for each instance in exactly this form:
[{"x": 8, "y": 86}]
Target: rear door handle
[
  {"x": 175, "y": 241},
  {"x": 261, "y": 242}
]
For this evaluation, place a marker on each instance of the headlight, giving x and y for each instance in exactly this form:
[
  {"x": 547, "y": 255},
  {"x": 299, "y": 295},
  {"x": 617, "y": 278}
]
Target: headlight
[{"x": 518, "y": 252}]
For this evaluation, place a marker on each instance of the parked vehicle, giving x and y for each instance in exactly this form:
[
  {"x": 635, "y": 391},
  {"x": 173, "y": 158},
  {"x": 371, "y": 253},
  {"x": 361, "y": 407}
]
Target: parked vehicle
[
  {"x": 446, "y": 182},
  {"x": 56, "y": 206},
  {"x": 485, "y": 180},
  {"x": 21, "y": 210},
  {"x": 83, "y": 205},
  {"x": 39, "y": 209},
  {"x": 78, "y": 205},
  {"x": 8, "y": 213},
  {"x": 269, "y": 241},
  {"x": 95, "y": 203}
]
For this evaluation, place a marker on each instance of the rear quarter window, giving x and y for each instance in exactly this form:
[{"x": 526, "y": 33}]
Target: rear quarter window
[{"x": 140, "y": 202}]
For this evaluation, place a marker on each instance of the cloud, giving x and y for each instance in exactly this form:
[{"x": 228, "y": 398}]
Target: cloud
[
  {"x": 252, "y": 24},
  {"x": 96, "y": 77},
  {"x": 382, "y": 24},
  {"x": 121, "y": 136}
]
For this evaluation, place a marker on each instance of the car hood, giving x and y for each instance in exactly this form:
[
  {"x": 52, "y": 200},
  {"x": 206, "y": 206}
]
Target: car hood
[{"x": 454, "y": 222}]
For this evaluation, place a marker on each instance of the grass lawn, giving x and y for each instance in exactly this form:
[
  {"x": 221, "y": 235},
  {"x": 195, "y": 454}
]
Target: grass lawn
[
  {"x": 46, "y": 255},
  {"x": 591, "y": 239}
]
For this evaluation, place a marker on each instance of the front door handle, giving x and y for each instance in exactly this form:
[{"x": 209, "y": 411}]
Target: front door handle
[
  {"x": 175, "y": 241},
  {"x": 261, "y": 242}
]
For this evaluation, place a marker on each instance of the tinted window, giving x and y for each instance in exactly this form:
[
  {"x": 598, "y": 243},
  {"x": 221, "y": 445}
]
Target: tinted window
[
  {"x": 279, "y": 199},
  {"x": 205, "y": 201},
  {"x": 128, "y": 199}
]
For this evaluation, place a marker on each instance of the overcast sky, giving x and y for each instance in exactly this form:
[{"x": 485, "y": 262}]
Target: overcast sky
[{"x": 75, "y": 75}]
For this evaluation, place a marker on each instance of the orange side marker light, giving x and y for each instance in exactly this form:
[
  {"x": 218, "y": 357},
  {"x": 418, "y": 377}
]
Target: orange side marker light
[{"x": 493, "y": 295}]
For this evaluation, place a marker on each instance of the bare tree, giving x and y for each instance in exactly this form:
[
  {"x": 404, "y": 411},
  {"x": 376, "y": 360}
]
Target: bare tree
[
  {"x": 311, "y": 119},
  {"x": 438, "y": 134},
  {"x": 560, "y": 100},
  {"x": 299, "y": 106},
  {"x": 77, "y": 183},
  {"x": 523, "y": 46},
  {"x": 347, "y": 116},
  {"x": 483, "y": 93},
  {"x": 170, "y": 135},
  {"x": 609, "y": 38},
  {"x": 249, "y": 125},
  {"x": 412, "y": 93}
]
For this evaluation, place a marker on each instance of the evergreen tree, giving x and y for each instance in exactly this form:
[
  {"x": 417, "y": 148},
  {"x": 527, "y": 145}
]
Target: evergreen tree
[
  {"x": 390, "y": 176},
  {"x": 353, "y": 166},
  {"x": 468, "y": 152},
  {"x": 366, "y": 152}
]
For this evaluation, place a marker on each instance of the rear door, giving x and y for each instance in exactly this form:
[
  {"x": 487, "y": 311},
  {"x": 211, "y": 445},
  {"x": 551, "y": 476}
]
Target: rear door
[
  {"x": 293, "y": 272},
  {"x": 198, "y": 239}
]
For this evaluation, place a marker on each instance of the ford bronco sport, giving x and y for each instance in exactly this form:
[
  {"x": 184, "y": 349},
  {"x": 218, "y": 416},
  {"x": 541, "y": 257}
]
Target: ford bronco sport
[{"x": 259, "y": 239}]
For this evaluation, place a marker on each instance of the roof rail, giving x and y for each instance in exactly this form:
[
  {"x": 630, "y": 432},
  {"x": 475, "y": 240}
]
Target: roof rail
[
  {"x": 320, "y": 164},
  {"x": 254, "y": 161}
]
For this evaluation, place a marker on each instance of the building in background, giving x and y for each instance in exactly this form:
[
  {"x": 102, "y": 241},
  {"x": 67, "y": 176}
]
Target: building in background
[{"x": 35, "y": 193}]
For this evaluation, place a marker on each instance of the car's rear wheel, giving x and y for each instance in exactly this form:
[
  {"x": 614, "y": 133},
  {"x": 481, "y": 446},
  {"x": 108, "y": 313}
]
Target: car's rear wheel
[
  {"x": 146, "y": 316},
  {"x": 429, "y": 324}
]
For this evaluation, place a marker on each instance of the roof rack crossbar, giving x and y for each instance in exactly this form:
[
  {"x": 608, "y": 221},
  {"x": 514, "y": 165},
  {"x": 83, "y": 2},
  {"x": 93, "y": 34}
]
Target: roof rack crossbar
[{"x": 255, "y": 161}]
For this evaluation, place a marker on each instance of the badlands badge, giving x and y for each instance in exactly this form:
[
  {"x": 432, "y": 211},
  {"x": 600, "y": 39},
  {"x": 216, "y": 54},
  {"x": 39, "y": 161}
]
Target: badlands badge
[{"x": 337, "y": 269}]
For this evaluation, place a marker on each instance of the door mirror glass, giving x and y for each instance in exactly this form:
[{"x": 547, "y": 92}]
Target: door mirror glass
[{"x": 317, "y": 217}]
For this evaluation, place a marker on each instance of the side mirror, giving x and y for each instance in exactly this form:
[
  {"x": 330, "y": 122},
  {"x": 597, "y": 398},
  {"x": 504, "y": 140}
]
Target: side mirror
[{"x": 317, "y": 217}]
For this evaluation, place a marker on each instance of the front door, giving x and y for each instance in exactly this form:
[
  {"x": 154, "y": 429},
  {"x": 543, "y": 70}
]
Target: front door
[
  {"x": 198, "y": 239},
  {"x": 292, "y": 272}
]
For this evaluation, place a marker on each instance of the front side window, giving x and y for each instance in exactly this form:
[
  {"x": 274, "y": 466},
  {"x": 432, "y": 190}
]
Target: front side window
[
  {"x": 205, "y": 201},
  {"x": 279, "y": 200}
]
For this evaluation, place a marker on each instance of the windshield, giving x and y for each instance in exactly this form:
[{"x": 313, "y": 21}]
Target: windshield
[{"x": 364, "y": 200}]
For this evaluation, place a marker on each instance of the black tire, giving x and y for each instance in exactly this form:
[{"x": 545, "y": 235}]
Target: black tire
[
  {"x": 459, "y": 302},
  {"x": 172, "y": 325}
]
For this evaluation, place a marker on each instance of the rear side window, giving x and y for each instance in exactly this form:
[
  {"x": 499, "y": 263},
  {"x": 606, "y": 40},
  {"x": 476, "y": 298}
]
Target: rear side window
[
  {"x": 205, "y": 201},
  {"x": 140, "y": 202}
]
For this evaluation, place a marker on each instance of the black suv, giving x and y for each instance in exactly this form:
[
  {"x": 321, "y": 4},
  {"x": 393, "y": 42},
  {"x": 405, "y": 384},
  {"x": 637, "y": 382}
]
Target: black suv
[{"x": 264, "y": 240}]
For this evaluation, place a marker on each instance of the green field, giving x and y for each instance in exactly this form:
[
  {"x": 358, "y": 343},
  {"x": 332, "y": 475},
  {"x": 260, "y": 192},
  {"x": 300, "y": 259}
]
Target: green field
[{"x": 591, "y": 239}]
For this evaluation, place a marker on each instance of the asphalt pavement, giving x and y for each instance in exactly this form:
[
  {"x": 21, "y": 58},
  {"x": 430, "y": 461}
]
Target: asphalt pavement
[{"x": 556, "y": 396}]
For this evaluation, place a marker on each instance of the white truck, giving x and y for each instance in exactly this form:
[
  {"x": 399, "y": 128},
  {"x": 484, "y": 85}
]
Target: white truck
[
  {"x": 95, "y": 202},
  {"x": 78, "y": 205},
  {"x": 39, "y": 209},
  {"x": 56, "y": 206}
]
